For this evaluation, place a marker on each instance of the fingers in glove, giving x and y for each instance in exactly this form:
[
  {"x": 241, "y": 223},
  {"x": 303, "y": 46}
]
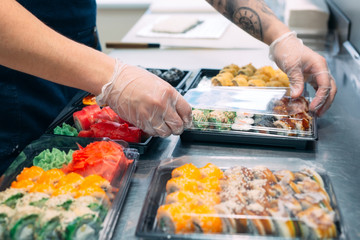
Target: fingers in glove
[
  {"x": 324, "y": 82},
  {"x": 327, "y": 103},
  {"x": 296, "y": 79},
  {"x": 184, "y": 110}
]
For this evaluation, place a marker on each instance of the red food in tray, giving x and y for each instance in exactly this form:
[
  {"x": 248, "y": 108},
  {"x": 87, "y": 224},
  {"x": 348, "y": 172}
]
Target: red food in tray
[
  {"x": 102, "y": 158},
  {"x": 93, "y": 121}
]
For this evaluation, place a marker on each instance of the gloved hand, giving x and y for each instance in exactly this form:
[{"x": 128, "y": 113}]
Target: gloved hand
[
  {"x": 301, "y": 64},
  {"x": 146, "y": 101}
]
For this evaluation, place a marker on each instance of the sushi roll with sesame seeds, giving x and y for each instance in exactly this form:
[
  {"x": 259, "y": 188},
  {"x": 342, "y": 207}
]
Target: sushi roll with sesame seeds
[
  {"x": 6, "y": 213},
  {"x": 47, "y": 225},
  {"x": 33, "y": 199},
  {"x": 93, "y": 204},
  {"x": 22, "y": 224},
  {"x": 11, "y": 196}
]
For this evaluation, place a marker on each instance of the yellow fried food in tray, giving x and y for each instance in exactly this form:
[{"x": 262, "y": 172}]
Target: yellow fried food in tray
[{"x": 249, "y": 76}]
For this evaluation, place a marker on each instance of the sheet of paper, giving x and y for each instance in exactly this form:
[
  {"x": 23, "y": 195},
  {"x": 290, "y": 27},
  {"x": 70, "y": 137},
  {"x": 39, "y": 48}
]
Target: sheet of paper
[{"x": 212, "y": 27}]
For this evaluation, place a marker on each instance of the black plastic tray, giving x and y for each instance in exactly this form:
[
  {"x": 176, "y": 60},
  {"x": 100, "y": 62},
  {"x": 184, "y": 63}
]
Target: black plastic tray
[
  {"x": 179, "y": 85},
  {"x": 121, "y": 180},
  {"x": 67, "y": 118},
  {"x": 147, "y": 224}
]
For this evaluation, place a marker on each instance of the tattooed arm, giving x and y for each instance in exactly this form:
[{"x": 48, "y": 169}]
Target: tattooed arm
[
  {"x": 253, "y": 16},
  {"x": 289, "y": 53}
]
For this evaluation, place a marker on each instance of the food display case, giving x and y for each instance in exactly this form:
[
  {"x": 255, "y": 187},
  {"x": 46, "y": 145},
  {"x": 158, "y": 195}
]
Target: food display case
[
  {"x": 61, "y": 188},
  {"x": 264, "y": 116},
  {"x": 219, "y": 197}
]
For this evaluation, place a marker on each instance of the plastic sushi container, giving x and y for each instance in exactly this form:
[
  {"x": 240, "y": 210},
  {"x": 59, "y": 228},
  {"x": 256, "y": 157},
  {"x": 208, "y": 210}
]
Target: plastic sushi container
[
  {"x": 174, "y": 76},
  {"x": 250, "y": 116},
  {"x": 42, "y": 201},
  {"x": 264, "y": 77},
  {"x": 217, "y": 197},
  {"x": 67, "y": 119}
]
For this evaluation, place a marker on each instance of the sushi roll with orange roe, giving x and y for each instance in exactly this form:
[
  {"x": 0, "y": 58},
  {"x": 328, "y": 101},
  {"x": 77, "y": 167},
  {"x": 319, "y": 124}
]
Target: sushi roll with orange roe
[
  {"x": 73, "y": 179},
  {"x": 175, "y": 218},
  {"x": 208, "y": 197},
  {"x": 63, "y": 190},
  {"x": 51, "y": 176},
  {"x": 206, "y": 220},
  {"x": 184, "y": 197},
  {"x": 33, "y": 173},
  {"x": 42, "y": 188},
  {"x": 188, "y": 170},
  {"x": 211, "y": 170},
  {"x": 24, "y": 184},
  {"x": 210, "y": 183},
  {"x": 93, "y": 191},
  {"x": 96, "y": 180},
  {"x": 182, "y": 183}
]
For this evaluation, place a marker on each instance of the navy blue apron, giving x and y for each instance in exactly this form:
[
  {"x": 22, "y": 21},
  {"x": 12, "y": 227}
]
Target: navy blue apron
[{"x": 29, "y": 104}]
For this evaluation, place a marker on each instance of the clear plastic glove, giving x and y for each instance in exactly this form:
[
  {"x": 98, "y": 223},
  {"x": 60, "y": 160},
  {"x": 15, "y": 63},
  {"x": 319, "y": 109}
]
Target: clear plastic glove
[
  {"x": 146, "y": 101},
  {"x": 301, "y": 64}
]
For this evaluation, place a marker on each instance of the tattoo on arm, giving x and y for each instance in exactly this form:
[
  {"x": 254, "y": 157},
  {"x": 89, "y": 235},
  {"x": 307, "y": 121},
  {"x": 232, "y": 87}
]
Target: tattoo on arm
[
  {"x": 249, "y": 21},
  {"x": 247, "y": 14}
]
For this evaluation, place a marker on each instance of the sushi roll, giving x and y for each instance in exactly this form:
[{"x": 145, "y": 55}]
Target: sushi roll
[
  {"x": 240, "y": 81},
  {"x": 311, "y": 173},
  {"x": 200, "y": 119},
  {"x": 6, "y": 213},
  {"x": 211, "y": 170},
  {"x": 73, "y": 179},
  {"x": 260, "y": 221},
  {"x": 61, "y": 202},
  {"x": 247, "y": 70},
  {"x": 47, "y": 225},
  {"x": 174, "y": 218},
  {"x": 94, "y": 191},
  {"x": 22, "y": 224},
  {"x": 206, "y": 220},
  {"x": 256, "y": 82},
  {"x": 188, "y": 170},
  {"x": 310, "y": 186},
  {"x": 64, "y": 190},
  {"x": 286, "y": 226},
  {"x": 317, "y": 223},
  {"x": 93, "y": 204},
  {"x": 262, "y": 172},
  {"x": 184, "y": 197},
  {"x": 80, "y": 224},
  {"x": 207, "y": 197},
  {"x": 33, "y": 173},
  {"x": 42, "y": 188},
  {"x": 210, "y": 184},
  {"x": 51, "y": 176},
  {"x": 155, "y": 71},
  {"x": 284, "y": 176},
  {"x": 11, "y": 196},
  {"x": 182, "y": 183},
  {"x": 232, "y": 216},
  {"x": 25, "y": 184},
  {"x": 33, "y": 199}
]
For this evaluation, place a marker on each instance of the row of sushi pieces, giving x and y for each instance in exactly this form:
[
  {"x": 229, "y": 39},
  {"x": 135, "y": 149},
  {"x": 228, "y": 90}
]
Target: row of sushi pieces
[
  {"x": 52, "y": 205},
  {"x": 94, "y": 121},
  {"x": 244, "y": 200},
  {"x": 63, "y": 195},
  {"x": 250, "y": 76},
  {"x": 289, "y": 117}
]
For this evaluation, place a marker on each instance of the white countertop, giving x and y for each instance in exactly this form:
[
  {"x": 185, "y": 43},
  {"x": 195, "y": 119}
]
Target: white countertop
[{"x": 233, "y": 37}]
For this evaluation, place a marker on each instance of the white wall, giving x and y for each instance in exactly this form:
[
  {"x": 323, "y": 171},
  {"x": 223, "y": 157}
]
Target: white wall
[{"x": 114, "y": 23}]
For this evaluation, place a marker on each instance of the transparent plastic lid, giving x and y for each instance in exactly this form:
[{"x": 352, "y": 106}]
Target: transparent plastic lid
[
  {"x": 63, "y": 189},
  {"x": 218, "y": 197},
  {"x": 269, "y": 111}
]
